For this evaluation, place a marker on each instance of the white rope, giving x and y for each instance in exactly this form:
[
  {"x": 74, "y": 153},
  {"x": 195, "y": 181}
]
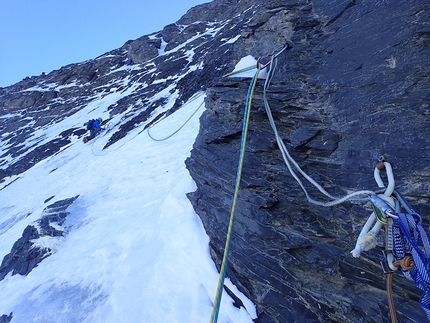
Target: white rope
[
  {"x": 289, "y": 160},
  {"x": 367, "y": 238}
]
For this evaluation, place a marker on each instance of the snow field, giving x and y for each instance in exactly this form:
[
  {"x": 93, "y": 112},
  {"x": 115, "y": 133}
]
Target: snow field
[{"x": 135, "y": 249}]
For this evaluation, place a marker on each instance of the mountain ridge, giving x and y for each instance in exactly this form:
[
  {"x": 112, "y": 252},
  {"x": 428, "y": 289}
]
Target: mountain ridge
[{"x": 352, "y": 81}]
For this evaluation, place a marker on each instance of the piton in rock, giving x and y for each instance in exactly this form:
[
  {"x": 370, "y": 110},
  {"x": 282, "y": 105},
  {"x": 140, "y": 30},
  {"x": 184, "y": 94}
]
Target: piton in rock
[{"x": 353, "y": 84}]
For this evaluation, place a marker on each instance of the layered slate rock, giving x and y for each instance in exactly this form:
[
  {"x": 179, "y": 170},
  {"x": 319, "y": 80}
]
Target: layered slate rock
[
  {"x": 354, "y": 85},
  {"x": 27, "y": 252}
]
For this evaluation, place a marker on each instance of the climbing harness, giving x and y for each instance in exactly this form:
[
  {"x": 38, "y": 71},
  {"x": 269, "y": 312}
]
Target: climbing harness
[{"x": 217, "y": 302}]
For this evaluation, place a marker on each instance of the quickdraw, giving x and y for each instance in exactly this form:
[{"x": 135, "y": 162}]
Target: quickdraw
[{"x": 407, "y": 245}]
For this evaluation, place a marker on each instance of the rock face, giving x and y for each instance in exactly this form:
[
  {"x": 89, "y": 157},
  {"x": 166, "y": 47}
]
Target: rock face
[
  {"x": 27, "y": 252},
  {"x": 352, "y": 85},
  {"x": 5, "y": 318}
]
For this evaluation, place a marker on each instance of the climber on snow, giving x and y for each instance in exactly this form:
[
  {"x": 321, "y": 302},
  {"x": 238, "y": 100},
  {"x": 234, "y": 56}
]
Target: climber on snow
[{"x": 94, "y": 126}]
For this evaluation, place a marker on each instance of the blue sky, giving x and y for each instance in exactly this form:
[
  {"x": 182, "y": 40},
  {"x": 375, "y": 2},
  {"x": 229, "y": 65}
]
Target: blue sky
[{"x": 44, "y": 35}]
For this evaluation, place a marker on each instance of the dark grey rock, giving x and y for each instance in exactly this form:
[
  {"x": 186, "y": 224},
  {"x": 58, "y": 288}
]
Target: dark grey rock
[
  {"x": 141, "y": 50},
  {"x": 24, "y": 255},
  {"x": 6, "y": 318},
  {"x": 349, "y": 89},
  {"x": 48, "y": 199}
]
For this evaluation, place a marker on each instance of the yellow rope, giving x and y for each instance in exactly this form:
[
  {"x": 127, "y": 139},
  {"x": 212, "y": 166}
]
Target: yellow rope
[
  {"x": 217, "y": 302},
  {"x": 195, "y": 111},
  {"x": 241, "y": 70}
]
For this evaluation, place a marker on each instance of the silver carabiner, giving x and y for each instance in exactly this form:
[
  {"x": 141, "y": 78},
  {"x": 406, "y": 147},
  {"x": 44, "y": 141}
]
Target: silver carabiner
[{"x": 382, "y": 209}]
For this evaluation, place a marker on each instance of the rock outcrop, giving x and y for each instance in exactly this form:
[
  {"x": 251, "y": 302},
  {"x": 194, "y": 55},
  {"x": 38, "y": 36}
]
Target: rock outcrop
[
  {"x": 353, "y": 86},
  {"x": 29, "y": 250},
  {"x": 6, "y": 318}
]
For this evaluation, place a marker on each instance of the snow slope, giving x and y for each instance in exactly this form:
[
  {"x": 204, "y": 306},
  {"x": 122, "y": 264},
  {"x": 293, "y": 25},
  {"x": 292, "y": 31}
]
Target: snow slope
[{"x": 134, "y": 251}]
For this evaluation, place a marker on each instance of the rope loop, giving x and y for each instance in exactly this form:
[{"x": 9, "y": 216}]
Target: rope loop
[
  {"x": 367, "y": 238},
  {"x": 177, "y": 130}
]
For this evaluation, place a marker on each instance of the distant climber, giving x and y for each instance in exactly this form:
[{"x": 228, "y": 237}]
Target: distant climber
[{"x": 94, "y": 126}]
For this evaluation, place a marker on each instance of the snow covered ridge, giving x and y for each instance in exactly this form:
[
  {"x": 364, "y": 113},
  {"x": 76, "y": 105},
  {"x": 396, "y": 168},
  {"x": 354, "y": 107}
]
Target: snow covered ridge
[
  {"x": 127, "y": 87},
  {"x": 104, "y": 232},
  {"x": 134, "y": 248}
]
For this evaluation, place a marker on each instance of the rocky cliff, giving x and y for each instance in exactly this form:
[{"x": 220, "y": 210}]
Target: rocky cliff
[{"x": 352, "y": 85}]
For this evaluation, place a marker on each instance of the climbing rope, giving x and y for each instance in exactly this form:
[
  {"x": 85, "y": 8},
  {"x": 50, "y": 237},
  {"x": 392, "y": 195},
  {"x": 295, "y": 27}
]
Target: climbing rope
[
  {"x": 289, "y": 161},
  {"x": 407, "y": 245},
  {"x": 410, "y": 239},
  {"x": 367, "y": 238},
  {"x": 103, "y": 152},
  {"x": 245, "y": 69},
  {"x": 177, "y": 130},
  {"x": 217, "y": 302}
]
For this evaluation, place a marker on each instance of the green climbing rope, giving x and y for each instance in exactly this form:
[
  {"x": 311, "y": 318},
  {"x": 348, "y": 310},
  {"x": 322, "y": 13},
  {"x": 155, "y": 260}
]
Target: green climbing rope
[
  {"x": 240, "y": 70},
  {"x": 176, "y": 131},
  {"x": 217, "y": 302}
]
